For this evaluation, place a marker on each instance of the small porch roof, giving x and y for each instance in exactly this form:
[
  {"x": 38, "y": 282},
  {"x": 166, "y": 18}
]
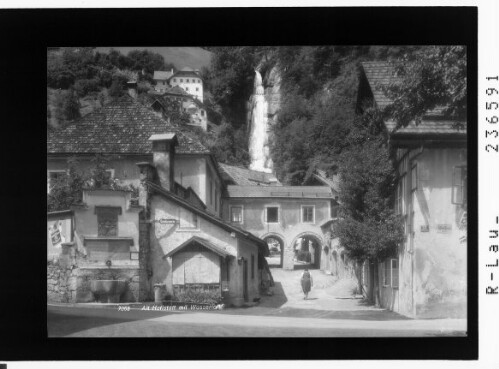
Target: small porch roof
[{"x": 201, "y": 241}]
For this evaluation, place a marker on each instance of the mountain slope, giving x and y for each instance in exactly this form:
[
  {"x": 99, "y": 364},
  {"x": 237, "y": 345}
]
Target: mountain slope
[{"x": 194, "y": 57}]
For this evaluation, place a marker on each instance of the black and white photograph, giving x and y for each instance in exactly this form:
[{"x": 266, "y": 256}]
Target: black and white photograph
[
  {"x": 257, "y": 191},
  {"x": 250, "y": 184}
]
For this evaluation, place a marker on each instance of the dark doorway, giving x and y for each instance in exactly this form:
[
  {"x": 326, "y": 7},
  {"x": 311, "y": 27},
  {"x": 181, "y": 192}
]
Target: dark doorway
[
  {"x": 245, "y": 280},
  {"x": 276, "y": 246},
  {"x": 307, "y": 251}
]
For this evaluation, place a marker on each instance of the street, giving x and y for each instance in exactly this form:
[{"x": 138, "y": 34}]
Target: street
[{"x": 330, "y": 311}]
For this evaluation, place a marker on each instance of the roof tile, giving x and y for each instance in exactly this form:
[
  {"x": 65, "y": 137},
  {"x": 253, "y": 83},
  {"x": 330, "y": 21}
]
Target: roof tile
[
  {"x": 121, "y": 127},
  {"x": 246, "y": 177}
]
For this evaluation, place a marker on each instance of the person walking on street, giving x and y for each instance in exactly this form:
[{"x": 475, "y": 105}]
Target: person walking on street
[{"x": 306, "y": 282}]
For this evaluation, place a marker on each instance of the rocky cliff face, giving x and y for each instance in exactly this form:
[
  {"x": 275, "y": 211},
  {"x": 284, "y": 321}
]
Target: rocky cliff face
[{"x": 272, "y": 88}]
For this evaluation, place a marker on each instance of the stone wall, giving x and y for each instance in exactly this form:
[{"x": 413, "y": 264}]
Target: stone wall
[
  {"x": 69, "y": 283},
  {"x": 86, "y": 275},
  {"x": 61, "y": 275},
  {"x": 61, "y": 282}
]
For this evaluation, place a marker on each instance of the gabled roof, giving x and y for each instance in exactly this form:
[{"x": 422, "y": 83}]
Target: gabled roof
[
  {"x": 246, "y": 177},
  {"x": 162, "y": 75},
  {"x": 428, "y": 127},
  {"x": 311, "y": 192},
  {"x": 209, "y": 217},
  {"x": 120, "y": 127},
  {"x": 380, "y": 74},
  {"x": 201, "y": 241},
  {"x": 186, "y": 71}
]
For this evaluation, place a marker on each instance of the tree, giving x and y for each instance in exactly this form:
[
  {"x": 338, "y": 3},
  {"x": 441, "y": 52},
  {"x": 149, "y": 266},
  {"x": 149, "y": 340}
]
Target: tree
[
  {"x": 66, "y": 190},
  {"x": 71, "y": 105},
  {"x": 229, "y": 145},
  {"x": 117, "y": 88},
  {"x": 368, "y": 228},
  {"x": 430, "y": 77},
  {"x": 232, "y": 72}
]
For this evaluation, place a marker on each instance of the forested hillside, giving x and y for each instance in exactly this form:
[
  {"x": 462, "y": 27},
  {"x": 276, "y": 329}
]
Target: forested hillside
[
  {"x": 319, "y": 87},
  {"x": 80, "y": 79}
]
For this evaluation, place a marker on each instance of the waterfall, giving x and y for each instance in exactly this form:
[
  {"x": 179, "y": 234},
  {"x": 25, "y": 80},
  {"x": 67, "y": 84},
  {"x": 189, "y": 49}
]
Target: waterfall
[{"x": 258, "y": 140}]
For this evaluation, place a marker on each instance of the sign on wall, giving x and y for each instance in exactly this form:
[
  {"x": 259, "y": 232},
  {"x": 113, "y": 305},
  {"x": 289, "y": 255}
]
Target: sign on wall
[{"x": 58, "y": 232}]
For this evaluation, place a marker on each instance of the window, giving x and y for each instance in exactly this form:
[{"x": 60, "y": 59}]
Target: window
[
  {"x": 187, "y": 80},
  {"x": 400, "y": 200},
  {"x": 197, "y": 88},
  {"x": 187, "y": 88},
  {"x": 236, "y": 214},
  {"x": 181, "y": 80},
  {"x": 107, "y": 221},
  {"x": 459, "y": 185},
  {"x": 202, "y": 113},
  {"x": 272, "y": 214},
  {"x": 395, "y": 273},
  {"x": 216, "y": 199},
  {"x": 174, "y": 80},
  {"x": 53, "y": 176},
  {"x": 307, "y": 214},
  {"x": 252, "y": 266},
  {"x": 391, "y": 273}
]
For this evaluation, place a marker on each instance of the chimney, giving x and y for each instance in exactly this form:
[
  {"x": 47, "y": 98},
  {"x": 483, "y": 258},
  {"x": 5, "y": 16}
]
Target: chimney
[
  {"x": 147, "y": 174},
  {"x": 132, "y": 88},
  {"x": 163, "y": 149}
]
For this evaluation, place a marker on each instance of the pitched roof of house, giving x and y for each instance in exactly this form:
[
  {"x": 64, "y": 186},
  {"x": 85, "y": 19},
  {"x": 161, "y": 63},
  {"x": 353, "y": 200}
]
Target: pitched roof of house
[
  {"x": 427, "y": 127},
  {"x": 186, "y": 71},
  {"x": 246, "y": 177},
  {"x": 120, "y": 127},
  {"x": 311, "y": 192},
  {"x": 380, "y": 74},
  {"x": 201, "y": 241},
  {"x": 210, "y": 217},
  {"x": 162, "y": 75}
]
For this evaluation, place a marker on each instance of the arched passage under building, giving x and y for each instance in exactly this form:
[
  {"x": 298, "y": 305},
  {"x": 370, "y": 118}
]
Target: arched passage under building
[
  {"x": 276, "y": 247},
  {"x": 307, "y": 251}
]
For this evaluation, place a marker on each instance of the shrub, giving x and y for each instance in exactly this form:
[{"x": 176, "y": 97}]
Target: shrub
[
  {"x": 84, "y": 86},
  {"x": 211, "y": 297}
]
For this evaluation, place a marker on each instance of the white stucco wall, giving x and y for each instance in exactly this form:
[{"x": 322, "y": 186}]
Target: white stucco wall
[{"x": 166, "y": 237}]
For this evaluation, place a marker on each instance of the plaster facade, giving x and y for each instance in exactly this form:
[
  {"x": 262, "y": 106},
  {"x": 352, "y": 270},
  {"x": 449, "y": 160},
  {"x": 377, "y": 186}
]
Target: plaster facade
[
  {"x": 432, "y": 269},
  {"x": 289, "y": 226},
  {"x": 190, "y": 170},
  {"x": 190, "y": 82},
  {"x": 183, "y": 225}
]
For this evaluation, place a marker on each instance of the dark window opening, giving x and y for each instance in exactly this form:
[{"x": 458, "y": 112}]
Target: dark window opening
[
  {"x": 236, "y": 214},
  {"x": 107, "y": 221},
  {"x": 308, "y": 214},
  {"x": 272, "y": 214}
]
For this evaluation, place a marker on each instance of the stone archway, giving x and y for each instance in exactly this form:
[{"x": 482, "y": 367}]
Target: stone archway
[
  {"x": 276, "y": 248},
  {"x": 307, "y": 249}
]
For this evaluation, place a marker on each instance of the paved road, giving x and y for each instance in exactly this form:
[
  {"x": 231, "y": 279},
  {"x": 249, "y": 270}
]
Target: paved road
[
  {"x": 330, "y": 311},
  {"x": 70, "y": 321}
]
